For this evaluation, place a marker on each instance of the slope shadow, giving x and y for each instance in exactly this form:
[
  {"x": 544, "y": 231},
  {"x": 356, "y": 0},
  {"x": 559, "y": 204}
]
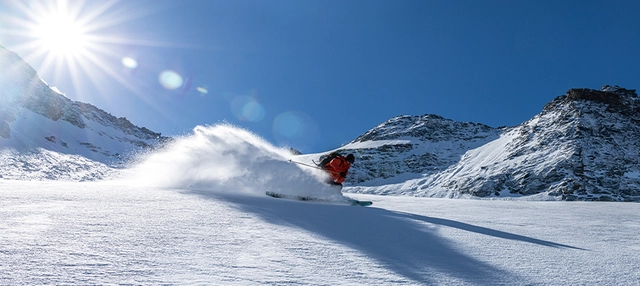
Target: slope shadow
[
  {"x": 485, "y": 231},
  {"x": 404, "y": 245}
]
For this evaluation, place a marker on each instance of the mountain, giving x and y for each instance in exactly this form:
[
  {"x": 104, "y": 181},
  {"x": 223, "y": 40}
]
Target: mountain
[
  {"x": 584, "y": 145},
  {"x": 45, "y": 135},
  {"x": 408, "y": 147}
]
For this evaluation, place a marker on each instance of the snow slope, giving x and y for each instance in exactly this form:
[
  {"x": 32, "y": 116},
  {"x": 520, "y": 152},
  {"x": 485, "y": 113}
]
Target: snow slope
[
  {"x": 45, "y": 135},
  {"x": 97, "y": 233},
  {"x": 195, "y": 212}
]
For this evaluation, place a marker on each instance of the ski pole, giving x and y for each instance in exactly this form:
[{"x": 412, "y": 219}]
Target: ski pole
[
  {"x": 315, "y": 167},
  {"x": 304, "y": 164}
]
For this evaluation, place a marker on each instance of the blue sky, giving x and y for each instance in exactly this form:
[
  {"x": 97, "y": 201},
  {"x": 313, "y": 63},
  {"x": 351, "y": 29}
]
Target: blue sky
[{"x": 316, "y": 74}]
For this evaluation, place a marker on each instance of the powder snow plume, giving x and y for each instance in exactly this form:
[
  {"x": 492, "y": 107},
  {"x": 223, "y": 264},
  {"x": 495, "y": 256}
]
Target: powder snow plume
[{"x": 225, "y": 158}]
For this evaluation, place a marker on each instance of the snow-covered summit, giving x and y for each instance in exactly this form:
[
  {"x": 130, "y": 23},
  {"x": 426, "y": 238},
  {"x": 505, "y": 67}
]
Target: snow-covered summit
[
  {"x": 409, "y": 147},
  {"x": 44, "y": 134},
  {"x": 429, "y": 127}
]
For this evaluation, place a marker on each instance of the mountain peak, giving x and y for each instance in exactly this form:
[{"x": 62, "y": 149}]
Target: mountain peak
[
  {"x": 613, "y": 95},
  {"x": 617, "y": 99},
  {"x": 428, "y": 127}
]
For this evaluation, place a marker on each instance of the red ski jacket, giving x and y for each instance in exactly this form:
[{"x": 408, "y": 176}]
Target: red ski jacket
[{"x": 338, "y": 168}]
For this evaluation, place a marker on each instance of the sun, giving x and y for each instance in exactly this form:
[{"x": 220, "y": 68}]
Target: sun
[
  {"x": 70, "y": 41},
  {"x": 56, "y": 29},
  {"x": 61, "y": 35},
  {"x": 83, "y": 47}
]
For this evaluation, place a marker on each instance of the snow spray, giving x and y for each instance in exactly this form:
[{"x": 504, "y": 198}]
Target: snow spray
[{"x": 225, "y": 158}]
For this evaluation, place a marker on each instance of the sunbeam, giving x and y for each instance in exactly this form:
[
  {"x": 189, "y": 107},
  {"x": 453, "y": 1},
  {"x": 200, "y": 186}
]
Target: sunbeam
[{"x": 75, "y": 40}]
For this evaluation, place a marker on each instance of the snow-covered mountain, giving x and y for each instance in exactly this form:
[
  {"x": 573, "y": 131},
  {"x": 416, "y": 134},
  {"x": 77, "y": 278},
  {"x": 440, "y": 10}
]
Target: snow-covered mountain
[
  {"x": 584, "y": 145},
  {"x": 408, "y": 147},
  {"x": 45, "y": 135}
]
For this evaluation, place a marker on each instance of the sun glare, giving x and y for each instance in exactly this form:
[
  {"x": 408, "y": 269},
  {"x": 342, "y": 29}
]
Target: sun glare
[
  {"x": 68, "y": 40},
  {"x": 82, "y": 45},
  {"x": 60, "y": 34}
]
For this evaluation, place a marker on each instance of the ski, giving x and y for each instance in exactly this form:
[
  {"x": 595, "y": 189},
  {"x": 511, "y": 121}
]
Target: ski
[
  {"x": 360, "y": 203},
  {"x": 350, "y": 201},
  {"x": 291, "y": 197}
]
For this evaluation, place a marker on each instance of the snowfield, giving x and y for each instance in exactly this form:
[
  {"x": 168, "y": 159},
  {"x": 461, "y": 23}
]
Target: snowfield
[
  {"x": 196, "y": 213},
  {"x": 102, "y": 233}
]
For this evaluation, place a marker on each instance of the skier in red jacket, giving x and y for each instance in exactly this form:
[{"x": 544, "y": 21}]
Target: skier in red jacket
[{"x": 338, "y": 168}]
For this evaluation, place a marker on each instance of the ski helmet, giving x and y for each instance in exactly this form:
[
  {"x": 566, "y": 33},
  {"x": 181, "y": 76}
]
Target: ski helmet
[{"x": 351, "y": 158}]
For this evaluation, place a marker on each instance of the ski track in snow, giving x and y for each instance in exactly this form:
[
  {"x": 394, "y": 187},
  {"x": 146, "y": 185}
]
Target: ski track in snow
[{"x": 196, "y": 213}]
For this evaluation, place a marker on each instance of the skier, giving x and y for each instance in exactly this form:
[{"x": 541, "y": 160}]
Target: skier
[{"x": 338, "y": 168}]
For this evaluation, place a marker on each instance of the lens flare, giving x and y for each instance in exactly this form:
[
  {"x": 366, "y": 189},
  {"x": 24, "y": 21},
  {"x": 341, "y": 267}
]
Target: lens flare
[
  {"x": 246, "y": 108},
  {"x": 170, "y": 79},
  {"x": 296, "y": 129},
  {"x": 288, "y": 125},
  {"x": 202, "y": 90},
  {"x": 129, "y": 62}
]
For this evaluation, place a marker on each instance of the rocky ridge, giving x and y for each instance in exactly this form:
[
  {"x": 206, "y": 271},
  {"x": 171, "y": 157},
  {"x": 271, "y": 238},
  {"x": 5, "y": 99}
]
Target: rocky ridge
[
  {"x": 584, "y": 145},
  {"x": 414, "y": 145}
]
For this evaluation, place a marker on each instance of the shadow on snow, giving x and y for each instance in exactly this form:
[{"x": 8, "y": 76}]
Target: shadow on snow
[
  {"x": 400, "y": 241},
  {"x": 485, "y": 231}
]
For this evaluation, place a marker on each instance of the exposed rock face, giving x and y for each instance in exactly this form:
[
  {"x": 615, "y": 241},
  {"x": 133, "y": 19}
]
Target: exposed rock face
[
  {"x": 616, "y": 97},
  {"x": 604, "y": 143},
  {"x": 414, "y": 146},
  {"x": 428, "y": 127},
  {"x": 584, "y": 145}
]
